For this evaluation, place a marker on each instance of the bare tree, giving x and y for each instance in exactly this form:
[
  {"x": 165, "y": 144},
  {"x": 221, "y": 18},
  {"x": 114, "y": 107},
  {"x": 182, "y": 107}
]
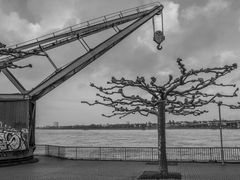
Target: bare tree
[{"x": 183, "y": 95}]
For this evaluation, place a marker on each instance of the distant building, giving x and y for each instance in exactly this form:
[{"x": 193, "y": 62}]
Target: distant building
[{"x": 56, "y": 124}]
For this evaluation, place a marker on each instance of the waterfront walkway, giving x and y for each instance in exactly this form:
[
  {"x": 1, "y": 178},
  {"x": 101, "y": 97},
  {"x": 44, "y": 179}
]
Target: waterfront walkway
[{"x": 50, "y": 168}]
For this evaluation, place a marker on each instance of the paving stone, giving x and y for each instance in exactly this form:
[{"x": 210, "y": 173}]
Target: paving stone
[{"x": 50, "y": 168}]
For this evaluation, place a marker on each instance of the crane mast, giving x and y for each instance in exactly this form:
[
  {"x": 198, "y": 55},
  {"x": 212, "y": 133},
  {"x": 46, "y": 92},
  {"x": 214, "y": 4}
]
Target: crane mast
[{"x": 11, "y": 55}]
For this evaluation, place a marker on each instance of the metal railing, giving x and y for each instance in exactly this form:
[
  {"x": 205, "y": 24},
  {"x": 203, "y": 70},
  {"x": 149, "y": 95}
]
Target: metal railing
[{"x": 181, "y": 154}]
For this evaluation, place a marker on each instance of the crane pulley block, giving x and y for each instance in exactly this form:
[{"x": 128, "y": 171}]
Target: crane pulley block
[{"x": 158, "y": 37}]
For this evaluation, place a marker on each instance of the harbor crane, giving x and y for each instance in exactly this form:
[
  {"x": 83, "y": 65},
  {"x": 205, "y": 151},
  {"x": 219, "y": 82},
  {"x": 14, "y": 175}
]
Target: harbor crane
[{"x": 18, "y": 110}]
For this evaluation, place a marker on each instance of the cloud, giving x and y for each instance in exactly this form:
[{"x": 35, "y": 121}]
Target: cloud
[
  {"x": 50, "y": 16},
  {"x": 20, "y": 29},
  {"x": 212, "y": 8},
  {"x": 238, "y": 24},
  {"x": 228, "y": 56},
  {"x": 171, "y": 17}
]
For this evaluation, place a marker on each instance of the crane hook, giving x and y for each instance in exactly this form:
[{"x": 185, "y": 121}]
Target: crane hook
[
  {"x": 159, "y": 47},
  {"x": 159, "y": 38}
]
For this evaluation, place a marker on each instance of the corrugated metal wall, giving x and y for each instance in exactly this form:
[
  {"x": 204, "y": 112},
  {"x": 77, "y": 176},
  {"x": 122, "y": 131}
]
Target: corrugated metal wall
[{"x": 14, "y": 114}]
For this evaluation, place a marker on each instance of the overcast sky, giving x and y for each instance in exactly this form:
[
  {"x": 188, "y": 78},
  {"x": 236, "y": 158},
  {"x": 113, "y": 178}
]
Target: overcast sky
[{"x": 203, "y": 33}]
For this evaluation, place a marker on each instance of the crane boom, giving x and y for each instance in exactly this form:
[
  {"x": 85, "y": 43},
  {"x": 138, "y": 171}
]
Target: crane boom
[
  {"x": 57, "y": 78},
  {"x": 73, "y": 33},
  {"x": 38, "y": 46}
]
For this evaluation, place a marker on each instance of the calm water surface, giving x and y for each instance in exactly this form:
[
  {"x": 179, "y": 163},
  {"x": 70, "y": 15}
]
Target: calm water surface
[{"x": 137, "y": 138}]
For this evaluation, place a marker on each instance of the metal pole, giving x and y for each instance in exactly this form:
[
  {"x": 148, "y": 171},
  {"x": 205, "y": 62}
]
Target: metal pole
[
  {"x": 125, "y": 153},
  {"x": 152, "y": 153},
  {"x": 220, "y": 128},
  {"x": 76, "y": 152}
]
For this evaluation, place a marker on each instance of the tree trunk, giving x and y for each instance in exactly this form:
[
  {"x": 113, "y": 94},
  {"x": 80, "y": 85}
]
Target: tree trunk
[{"x": 162, "y": 156}]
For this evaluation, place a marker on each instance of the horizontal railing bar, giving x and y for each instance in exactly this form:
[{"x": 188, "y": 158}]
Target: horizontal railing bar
[{"x": 173, "y": 147}]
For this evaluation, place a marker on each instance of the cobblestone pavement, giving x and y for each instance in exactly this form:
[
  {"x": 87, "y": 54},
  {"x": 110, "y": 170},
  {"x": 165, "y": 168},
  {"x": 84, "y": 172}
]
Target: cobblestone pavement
[
  {"x": 57, "y": 169},
  {"x": 209, "y": 171}
]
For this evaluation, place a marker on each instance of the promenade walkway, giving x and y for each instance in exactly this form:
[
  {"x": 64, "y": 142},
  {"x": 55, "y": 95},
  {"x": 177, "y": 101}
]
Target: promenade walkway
[{"x": 49, "y": 168}]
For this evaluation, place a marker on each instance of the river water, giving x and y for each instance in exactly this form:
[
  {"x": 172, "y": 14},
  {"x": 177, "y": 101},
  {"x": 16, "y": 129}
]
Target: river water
[{"x": 138, "y": 138}]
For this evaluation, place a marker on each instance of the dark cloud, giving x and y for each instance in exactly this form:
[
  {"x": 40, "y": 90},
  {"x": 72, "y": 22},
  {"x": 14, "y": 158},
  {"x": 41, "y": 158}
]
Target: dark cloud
[{"x": 21, "y": 7}]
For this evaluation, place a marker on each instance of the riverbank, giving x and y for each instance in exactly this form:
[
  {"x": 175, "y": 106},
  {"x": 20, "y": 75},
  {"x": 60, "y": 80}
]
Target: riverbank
[
  {"x": 214, "y": 124},
  {"x": 68, "y": 128}
]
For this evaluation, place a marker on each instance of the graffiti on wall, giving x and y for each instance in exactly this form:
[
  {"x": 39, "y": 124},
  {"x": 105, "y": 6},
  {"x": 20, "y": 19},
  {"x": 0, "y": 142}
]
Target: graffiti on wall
[{"x": 12, "y": 139}]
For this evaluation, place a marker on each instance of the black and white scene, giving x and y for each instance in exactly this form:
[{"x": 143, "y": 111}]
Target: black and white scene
[{"x": 119, "y": 90}]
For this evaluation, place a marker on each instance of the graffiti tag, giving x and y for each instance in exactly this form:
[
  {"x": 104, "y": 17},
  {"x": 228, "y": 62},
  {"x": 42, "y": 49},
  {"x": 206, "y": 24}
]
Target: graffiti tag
[{"x": 11, "y": 139}]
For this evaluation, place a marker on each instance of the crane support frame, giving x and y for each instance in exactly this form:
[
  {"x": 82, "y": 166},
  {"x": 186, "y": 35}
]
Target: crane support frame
[
  {"x": 19, "y": 109},
  {"x": 63, "y": 74},
  {"x": 55, "y": 40},
  {"x": 14, "y": 81}
]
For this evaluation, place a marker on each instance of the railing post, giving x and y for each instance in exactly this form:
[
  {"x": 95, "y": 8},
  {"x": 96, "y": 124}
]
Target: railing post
[
  {"x": 152, "y": 153},
  {"x": 125, "y": 153},
  {"x": 237, "y": 152},
  {"x": 47, "y": 149},
  {"x": 58, "y": 151},
  {"x": 210, "y": 149},
  {"x": 76, "y": 152},
  {"x": 100, "y": 153},
  {"x": 180, "y": 154}
]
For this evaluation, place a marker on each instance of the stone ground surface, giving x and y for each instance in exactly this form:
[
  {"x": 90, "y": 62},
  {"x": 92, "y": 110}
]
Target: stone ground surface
[{"x": 49, "y": 168}]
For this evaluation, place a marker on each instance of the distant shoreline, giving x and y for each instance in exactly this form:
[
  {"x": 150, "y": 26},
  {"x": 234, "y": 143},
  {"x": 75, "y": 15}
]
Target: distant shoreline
[
  {"x": 214, "y": 124},
  {"x": 124, "y": 128}
]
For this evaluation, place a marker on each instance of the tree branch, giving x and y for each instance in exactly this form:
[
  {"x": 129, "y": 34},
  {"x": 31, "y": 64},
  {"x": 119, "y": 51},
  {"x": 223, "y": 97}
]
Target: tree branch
[{"x": 183, "y": 95}]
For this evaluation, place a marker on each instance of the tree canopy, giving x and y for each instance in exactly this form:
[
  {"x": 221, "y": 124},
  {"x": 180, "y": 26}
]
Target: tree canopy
[{"x": 183, "y": 95}]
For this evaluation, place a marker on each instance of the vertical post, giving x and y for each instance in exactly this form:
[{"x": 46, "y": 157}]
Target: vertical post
[
  {"x": 180, "y": 148},
  {"x": 125, "y": 153},
  {"x": 152, "y": 153},
  {"x": 162, "y": 154},
  {"x": 210, "y": 149},
  {"x": 100, "y": 153},
  {"x": 32, "y": 118},
  {"x": 76, "y": 152},
  {"x": 220, "y": 128},
  {"x": 46, "y": 150}
]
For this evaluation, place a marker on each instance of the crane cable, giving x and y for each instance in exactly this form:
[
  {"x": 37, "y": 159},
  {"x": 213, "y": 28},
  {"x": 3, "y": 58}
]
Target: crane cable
[
  {"x": 158, "y": 36},
  {"x": 162, "y": 22},
  {"x": 153, "y": 22}
]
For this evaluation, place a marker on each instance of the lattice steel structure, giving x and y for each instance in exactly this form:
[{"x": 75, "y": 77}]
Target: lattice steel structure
[{"x": 18, "y": 141}]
